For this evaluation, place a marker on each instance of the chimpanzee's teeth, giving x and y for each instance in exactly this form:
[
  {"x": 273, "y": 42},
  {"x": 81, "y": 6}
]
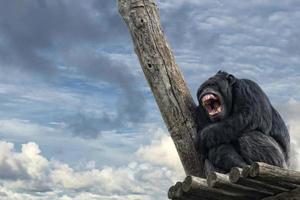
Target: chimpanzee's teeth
[
  {"x": 219, "y": 109},
  {"x": 208, "y": 97}
]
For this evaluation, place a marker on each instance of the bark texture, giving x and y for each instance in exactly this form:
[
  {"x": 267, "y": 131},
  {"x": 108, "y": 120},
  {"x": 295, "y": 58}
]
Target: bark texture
[{"x": 165, "y": 79}]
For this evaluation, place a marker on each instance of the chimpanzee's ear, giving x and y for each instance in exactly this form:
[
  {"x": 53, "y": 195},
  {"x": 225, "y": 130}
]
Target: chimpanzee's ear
[
  {"x": 231, "y": 79},
  {"x": 221, "y": 72}
]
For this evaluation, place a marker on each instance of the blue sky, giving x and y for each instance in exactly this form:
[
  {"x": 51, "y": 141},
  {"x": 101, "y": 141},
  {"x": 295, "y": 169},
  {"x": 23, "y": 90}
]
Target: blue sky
[{"x": 78, "y": 120}]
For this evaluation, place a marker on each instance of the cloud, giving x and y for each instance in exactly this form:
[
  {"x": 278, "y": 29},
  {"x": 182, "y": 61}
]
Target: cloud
[
  {"x": 83, "y": 111},
  {"x": 24, "y": 170},
  {"x": 253, "y": 40},
  {"x": 65, "y": 41},
  {"x": 18, "y": 127},
  {"x": 130, "y": 103},
  {"x": 161, "y": 147},
  {"x": 38, "y": 28},
  {"x": 50, "y": 42},
  {"x": 28, "y": 174},
  {"x": 290, "y": 112}
]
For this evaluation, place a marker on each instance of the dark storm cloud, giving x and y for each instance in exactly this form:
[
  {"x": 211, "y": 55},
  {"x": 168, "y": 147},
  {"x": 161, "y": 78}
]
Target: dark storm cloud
[
  {"x": 130, "y": 104},
  {"x": 38, "y": 36},
  {"x": 88, "y": 126},
  {"x": 30, "y": 31}
]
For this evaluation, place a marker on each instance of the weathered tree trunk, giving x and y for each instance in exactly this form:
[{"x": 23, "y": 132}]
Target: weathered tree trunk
[{"x": 165, "y": 79}]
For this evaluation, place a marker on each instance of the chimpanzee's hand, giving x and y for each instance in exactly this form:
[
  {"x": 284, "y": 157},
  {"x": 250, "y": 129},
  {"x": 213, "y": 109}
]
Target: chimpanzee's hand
[{"x": 212, "y": 136}]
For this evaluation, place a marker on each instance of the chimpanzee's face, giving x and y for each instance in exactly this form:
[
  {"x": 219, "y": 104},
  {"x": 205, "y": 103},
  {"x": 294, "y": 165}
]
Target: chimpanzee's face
[{"x": 215, "y": 96}]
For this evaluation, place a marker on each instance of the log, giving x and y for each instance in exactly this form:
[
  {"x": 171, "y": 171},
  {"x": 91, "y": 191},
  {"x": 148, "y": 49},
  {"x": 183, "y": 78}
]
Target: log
[
  {"x": 235, "y": 176},
  {"x": 198, "y": 187},
  {"x": 178, "y": 190},
  {"x": 221, "y": 181},
  {"x": 176, "y": 193},
  {"x": 171, "y": 192},
  {"x": 236, "y": 186},
  {"x": 165, "y": 79},
  {"x": 285, "y": 185},
  {"x": 274, "y": 174},
  {"x": 292, "y": 195},
  {"x": 246, "y": 171},
  {"x": 192, "y": 182},
  {"x": 269, "y": 179},
  {"x": 181, "y": 195}
]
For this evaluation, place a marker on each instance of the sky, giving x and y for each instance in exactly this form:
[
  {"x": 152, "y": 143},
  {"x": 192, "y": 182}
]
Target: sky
[{"x": 78, "y": 120}]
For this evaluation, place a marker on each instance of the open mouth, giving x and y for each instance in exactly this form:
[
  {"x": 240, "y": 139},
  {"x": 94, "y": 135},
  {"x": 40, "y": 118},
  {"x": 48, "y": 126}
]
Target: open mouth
[{"x": 212, "y": 104}]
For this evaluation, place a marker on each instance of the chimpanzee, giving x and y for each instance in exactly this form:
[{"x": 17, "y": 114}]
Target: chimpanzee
[{"x": 238, "y": 125}]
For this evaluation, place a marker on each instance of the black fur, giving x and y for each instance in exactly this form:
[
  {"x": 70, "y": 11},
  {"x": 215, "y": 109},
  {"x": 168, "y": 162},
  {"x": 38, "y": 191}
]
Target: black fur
[{"x": 248, "y": 130}]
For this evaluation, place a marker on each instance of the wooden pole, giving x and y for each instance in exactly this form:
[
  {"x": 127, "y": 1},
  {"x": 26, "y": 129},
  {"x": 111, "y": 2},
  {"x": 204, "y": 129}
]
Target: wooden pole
[{"x": 165, "y": 79}]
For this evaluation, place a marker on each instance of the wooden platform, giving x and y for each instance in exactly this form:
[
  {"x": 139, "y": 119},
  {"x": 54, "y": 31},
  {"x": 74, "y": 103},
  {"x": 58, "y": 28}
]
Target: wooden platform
[{"x": 256, "y": 182}]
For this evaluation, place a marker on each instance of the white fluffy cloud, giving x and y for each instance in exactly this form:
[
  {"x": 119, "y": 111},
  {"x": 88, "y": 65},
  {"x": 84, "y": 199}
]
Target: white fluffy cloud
[
  {"x": 290, "y": 111},
  {"x": 28, "y": 164},
  {"x": 26, "y": 174},
  {"x": 162, "y": 152}
]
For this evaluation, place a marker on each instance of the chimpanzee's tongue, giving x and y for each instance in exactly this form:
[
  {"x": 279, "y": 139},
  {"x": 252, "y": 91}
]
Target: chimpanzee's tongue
[
  {"x": 209, "y": 108},
  {"x": 216, "y": 105}
]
